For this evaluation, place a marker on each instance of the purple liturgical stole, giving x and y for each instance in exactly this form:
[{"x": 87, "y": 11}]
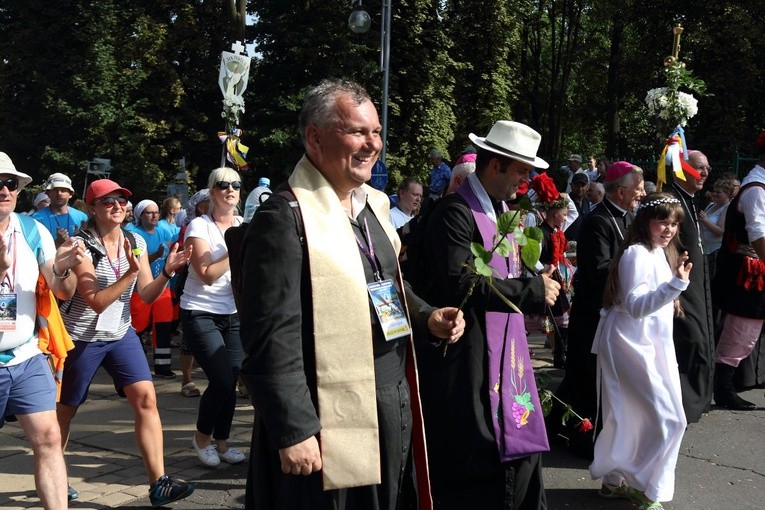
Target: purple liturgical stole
[{"x": 519, "y": 426}]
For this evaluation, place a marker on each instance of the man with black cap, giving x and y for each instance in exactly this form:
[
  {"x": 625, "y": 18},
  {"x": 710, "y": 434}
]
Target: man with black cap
[
  {"x": 61, "y": 220},
  {"x": 27, "y": 387},
  {"x": 477, "y": 459},
  {"x": 579, "y": 185}
]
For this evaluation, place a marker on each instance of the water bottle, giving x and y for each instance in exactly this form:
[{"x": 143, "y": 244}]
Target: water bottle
[{"x": 256, "y": 197}]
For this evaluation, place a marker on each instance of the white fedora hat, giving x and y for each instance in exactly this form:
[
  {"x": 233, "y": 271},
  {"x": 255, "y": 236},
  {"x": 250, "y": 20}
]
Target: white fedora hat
[{"x": 514, "y": 140}]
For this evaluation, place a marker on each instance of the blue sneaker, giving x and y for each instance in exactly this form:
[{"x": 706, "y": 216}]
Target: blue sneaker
[
  {"x": 168, "y": 489},
  {"x": 71, "y": 493}
]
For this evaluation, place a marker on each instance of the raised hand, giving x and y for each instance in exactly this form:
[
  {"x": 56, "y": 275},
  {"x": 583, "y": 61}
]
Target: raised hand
[
  {"x": 69, "y": 255},
  {"x": 177, "y": 258},
  {"x": 684, "y": 267}
]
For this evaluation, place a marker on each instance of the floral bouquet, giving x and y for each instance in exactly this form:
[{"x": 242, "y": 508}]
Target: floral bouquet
[{"x": 672, "y": 108}]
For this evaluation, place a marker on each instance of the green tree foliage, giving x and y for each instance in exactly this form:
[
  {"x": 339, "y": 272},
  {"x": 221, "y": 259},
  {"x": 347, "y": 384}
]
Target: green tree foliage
[{"x": 136, "y": 82}]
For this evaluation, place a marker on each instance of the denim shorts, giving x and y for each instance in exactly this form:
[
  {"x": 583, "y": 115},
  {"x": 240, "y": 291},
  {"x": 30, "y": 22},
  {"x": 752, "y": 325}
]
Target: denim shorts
[
  {"x": 123, "y": 359},
  {"x": 27, "y": 388}
]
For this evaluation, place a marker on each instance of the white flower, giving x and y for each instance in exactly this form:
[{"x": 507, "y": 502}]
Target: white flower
[{"x": 659, "y": 105}]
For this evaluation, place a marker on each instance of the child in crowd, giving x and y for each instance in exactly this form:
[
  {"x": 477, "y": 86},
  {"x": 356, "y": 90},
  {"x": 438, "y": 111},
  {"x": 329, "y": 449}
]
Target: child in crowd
[{"x": 639, "y": 384}]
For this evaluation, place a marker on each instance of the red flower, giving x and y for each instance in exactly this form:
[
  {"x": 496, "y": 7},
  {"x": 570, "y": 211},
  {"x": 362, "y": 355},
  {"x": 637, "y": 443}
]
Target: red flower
[
  {"x": 523, "y": 188},
  {"x": 585, "y": 426},
  {"x": 545, "y": 188},
  {"x": 759, "y": 143}
]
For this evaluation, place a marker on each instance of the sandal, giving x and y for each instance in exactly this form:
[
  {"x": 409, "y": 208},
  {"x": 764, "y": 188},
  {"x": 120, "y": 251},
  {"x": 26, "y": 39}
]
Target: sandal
[{"x": 190, "y": 390}]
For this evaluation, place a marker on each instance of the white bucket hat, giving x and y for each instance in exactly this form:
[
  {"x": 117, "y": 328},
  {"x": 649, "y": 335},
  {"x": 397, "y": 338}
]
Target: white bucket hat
[
  {"x": 7, "y": 167},
  {"x": 514, "y": 140},
  {"x": 58, "y": 180}
]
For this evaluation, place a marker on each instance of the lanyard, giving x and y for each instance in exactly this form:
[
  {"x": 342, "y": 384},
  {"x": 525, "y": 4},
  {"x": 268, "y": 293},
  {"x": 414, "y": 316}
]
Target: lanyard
[
  {"x": 68, "y": 218},
  {"x": 369, "y": 252},
  {"x": 9, "y": 282},
  {"x": 114, "y": 264}
]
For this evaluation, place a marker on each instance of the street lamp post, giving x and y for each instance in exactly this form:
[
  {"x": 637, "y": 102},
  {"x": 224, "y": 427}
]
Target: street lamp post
[{"x": 360, "y": 22}]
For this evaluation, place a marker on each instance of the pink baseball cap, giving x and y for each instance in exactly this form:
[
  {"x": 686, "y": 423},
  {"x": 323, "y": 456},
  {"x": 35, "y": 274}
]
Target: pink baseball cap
[
  {"x": 618, "y": 169},
  {"x": 101, "y": 188}
]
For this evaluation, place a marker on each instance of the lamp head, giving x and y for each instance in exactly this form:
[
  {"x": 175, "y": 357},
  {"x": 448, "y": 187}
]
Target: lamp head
[{"x": 359, "y": 21}]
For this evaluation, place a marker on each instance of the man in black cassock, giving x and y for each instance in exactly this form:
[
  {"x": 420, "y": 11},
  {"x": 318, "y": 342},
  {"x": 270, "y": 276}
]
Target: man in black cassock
[
  {"x": 337, "y": 421},
  {"x": 600, "y": 236},
  {"x": 466, "y": 470},
  {"x": 693, "y": 333}
]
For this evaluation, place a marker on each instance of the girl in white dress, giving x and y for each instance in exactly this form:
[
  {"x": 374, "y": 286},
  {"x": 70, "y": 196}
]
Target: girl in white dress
[{"x": 639, "y": 384}]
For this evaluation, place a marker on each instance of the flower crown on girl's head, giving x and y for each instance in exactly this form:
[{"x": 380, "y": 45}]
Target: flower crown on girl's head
[{"x": 658, "y": 201}]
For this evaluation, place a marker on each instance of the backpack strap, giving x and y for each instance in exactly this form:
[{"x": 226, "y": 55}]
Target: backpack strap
[
  {"x": 31, "y": 234},
  {"x": 287, "y": 194}
]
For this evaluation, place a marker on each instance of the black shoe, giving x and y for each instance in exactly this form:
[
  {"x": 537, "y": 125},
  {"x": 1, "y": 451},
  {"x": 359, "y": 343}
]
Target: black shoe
[
  {"x": 733, "y": 402},
  {"x": 164, "y": 372},
  {"x": 168, "y": 489},
  {"x": 71, "y": 493},
  {"x": 724, "y": 392}
]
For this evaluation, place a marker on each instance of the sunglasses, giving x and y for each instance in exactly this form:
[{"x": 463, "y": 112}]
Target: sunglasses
[
  {"x": 12, "y": 184},
  {"x": 110, "y": 201},
  {"x": 226, "y": 184}
]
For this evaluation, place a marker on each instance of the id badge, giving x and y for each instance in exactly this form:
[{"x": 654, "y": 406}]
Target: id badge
[
  {"x": 109, "y": 320},
  {"x": 389, "y": 309},
  {"x": 8, "y": 311}
]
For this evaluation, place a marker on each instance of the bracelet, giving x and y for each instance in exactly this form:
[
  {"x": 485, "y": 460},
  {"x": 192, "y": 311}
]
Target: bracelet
[
  {"x": 60, "y": 276},
  {"x": 168, "y": 276}
]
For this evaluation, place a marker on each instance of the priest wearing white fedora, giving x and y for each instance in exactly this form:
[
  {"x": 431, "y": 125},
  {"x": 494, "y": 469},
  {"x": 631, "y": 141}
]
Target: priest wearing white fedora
[{"x": 484, "y": 425}]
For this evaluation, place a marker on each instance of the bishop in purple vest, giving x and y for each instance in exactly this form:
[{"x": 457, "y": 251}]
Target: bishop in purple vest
[{"x": 484, "y": 425}]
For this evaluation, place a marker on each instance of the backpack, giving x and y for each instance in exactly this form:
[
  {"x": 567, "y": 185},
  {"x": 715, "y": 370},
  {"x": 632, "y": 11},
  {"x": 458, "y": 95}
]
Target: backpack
[
  {"x": 235, "y": 241},
  {"x": 53, "y": 339},
  {"x": 96, "y": 249}
]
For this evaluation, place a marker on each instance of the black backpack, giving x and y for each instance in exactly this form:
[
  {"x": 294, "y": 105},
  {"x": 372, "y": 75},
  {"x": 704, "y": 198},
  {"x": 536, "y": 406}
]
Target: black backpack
[
  {"x": 234, "y": 237},
  {"x": 97, "y": 250}
]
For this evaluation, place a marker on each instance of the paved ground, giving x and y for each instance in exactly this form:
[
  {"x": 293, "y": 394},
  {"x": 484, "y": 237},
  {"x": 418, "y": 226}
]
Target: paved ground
[{"x": 721, "y": 465}]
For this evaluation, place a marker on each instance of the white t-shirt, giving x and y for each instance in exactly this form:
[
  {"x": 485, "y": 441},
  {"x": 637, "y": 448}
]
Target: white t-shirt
[
  {"x": 218, "y": 297},
  {"x": 399, "y": 218},
  {"x": 23, "y": 279}
]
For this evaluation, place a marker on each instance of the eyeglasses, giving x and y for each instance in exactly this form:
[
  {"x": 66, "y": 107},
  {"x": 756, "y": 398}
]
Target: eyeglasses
[
  {"x": 111, "y": 201},
  {"x": 226, "y": 184},
  {"x": 703, "y": 168},
  {"x": 151, "y": 213},
  {"x": 11, "y": 183}
]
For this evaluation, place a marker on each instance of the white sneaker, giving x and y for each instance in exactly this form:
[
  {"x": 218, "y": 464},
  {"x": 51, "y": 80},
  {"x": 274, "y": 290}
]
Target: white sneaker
[
  {"x": 232, "y": 456},
  {"x": 208, "y": 455}
]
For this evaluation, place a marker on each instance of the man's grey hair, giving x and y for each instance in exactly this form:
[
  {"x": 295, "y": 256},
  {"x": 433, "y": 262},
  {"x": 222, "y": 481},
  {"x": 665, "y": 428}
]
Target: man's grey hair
[
  {"x": 626, "y": 180},
  {"x": 319, "y": 104}
]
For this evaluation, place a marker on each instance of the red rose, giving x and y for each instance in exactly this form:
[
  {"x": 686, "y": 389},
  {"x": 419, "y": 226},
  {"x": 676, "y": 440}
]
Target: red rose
[
  {"x": 545, "y": 188},
  {"x": 585, "y": 426},
  {"x": 523, "y": 188},
  {"x": 759, "y": 143}
]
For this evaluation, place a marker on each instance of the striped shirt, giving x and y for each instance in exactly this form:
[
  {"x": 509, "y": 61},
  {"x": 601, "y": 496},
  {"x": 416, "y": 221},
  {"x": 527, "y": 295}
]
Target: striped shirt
[{"x": 81, "y": 320}]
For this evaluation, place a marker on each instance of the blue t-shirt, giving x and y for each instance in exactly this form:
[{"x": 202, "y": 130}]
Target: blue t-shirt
[
  {"x": 153, "y": 242},
  {"x": 71, "y": 221},
  {"x": 171, "y": 228},
  {"x": 439, "y": 179}
]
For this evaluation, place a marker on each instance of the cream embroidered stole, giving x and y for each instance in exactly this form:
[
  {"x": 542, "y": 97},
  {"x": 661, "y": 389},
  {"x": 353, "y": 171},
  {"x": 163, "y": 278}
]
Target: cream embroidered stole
[{"x": 345, "y": 369}]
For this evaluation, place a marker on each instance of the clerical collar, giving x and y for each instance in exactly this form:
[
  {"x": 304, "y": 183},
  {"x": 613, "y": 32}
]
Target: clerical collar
[
  {"x": 681, "y": 190},
  {"x": 487, "y": 204},
  {"x": 358, "y": 202},
  {"x": 623, "y": 211}
]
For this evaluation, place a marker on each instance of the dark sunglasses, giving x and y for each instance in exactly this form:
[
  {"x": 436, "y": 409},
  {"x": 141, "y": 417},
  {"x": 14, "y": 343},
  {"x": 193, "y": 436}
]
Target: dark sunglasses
[
  {"x": 225, "y": 184},
  {"x": 110, "y": 201},
  {"x": 12, "y": 183}
]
